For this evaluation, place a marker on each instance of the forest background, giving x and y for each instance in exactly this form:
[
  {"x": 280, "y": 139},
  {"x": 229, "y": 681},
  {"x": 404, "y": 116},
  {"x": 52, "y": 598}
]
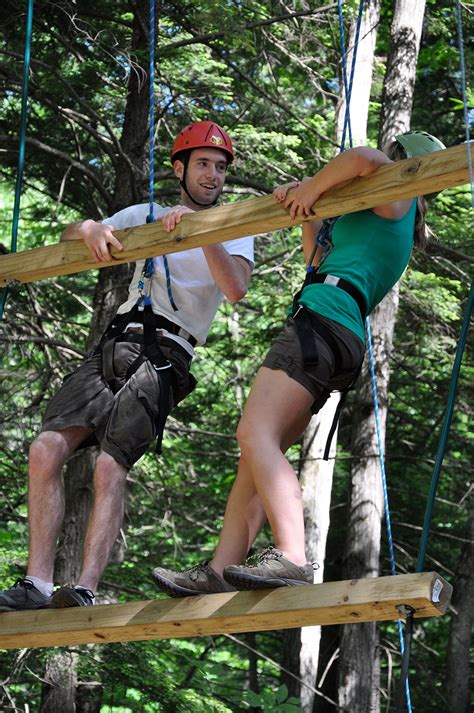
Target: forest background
[{"x": 270, "y": 72}]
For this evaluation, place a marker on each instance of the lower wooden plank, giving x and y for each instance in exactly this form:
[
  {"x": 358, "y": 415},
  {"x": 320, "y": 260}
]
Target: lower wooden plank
[{"x": 328, "y": 603}]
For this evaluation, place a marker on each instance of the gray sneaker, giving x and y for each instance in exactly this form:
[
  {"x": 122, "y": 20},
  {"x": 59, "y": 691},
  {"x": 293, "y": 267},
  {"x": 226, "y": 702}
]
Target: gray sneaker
[
  {"x": 201, "y": 579},
  {"x": 23, "y": 595},
  {"x": 271, "y": 570},
  {"x": 71, "y": 597}
]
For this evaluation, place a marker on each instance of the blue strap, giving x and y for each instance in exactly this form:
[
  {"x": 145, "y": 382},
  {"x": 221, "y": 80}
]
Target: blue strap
[{"x": 21, "y": 151}]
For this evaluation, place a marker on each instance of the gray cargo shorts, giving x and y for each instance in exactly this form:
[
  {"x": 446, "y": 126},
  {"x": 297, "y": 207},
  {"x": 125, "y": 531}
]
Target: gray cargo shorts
[
  {"x": 322, "y": 378},
  {"x": 123, "y": 418}
]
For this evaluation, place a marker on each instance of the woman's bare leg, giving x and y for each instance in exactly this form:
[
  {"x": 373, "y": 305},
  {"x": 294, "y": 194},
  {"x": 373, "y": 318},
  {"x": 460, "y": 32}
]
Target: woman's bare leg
[{"x": 245, "y": 514}]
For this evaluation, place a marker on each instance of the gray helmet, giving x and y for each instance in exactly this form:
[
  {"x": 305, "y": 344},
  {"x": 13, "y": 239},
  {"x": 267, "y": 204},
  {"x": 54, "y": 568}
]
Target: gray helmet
[{"x": 416, "y": 143}]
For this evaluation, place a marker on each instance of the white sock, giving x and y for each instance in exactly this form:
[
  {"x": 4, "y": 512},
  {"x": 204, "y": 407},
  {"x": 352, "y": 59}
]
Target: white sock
[{"x": 45, "y": 588}]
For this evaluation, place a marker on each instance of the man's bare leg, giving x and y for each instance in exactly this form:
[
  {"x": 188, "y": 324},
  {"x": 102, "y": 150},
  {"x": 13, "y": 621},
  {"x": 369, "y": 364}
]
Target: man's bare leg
[
  {"x": 48, "y": 454},
  {"x": 105, "y": 519}
]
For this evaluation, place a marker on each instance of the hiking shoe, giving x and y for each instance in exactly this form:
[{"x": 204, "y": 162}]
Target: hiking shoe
[
  {"x": 271, "y": 570},
  {"x": 23, "y": 595},
  {"x": 201, "y": 579},
  {"x": 71, "y": 597}
]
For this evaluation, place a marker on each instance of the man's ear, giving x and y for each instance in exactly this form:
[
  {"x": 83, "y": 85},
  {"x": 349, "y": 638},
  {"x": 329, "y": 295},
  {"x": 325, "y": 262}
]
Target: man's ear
[{"x": 178, "y": 168}]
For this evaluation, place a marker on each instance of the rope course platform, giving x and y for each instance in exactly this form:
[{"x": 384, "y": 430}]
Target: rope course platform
[
  {"x": 346, "y": 602},
  {"x": 412, "y": 177}
]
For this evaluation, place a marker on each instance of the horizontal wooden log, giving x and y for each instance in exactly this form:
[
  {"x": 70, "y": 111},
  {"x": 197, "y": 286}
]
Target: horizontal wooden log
[
  {"x": 417, "y": 176},
  {"x": 344, "y": 602}
]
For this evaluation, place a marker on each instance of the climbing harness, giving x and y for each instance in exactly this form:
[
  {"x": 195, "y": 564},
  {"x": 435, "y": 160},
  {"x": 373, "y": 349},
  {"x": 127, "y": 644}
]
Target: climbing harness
[{"x": 142, "y": 314}]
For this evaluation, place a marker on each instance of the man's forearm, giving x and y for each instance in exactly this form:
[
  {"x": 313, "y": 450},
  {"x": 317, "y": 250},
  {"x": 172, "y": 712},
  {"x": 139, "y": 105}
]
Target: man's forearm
[
  {"x": 77, "y": 230},
  {"x": 98, "y": 237},
  {"x": 231, "y": 272}
]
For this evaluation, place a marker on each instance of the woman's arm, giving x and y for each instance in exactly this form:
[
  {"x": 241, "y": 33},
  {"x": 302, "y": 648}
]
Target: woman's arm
[
  {"x": 309, "y": 230},
  {"x": 360, "y": 161}
]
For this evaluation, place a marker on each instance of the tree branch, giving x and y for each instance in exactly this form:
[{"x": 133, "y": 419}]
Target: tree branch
[{"x": 204, "y": 39}]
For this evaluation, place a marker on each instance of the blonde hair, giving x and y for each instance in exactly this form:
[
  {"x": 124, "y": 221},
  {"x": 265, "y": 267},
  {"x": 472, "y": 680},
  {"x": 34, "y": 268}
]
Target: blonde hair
[{"x": 423, "y": 232}]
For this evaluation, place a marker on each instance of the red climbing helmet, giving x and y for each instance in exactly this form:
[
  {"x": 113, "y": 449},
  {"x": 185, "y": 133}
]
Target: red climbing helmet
[{"x": 200, "y": 135}]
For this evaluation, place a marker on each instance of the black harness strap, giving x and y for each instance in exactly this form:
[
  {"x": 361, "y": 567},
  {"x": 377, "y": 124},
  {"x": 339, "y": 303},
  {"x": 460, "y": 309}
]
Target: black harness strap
[
  {"x": 313, "y": 277},
  {"x": 307, "y": 324}
]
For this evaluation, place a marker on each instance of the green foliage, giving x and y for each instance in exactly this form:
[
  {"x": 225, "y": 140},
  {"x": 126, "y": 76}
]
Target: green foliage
[
  {"x": 272, "y": 701},
  {"x": 276, "y": 88}
]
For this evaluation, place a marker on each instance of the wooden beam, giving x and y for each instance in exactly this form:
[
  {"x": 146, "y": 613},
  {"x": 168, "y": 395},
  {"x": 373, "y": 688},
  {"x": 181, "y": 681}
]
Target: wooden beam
[
  {"x": 402, "y": 179},
  {"x": 412, "y": 177},
  {"x": 329, "y": 603}
]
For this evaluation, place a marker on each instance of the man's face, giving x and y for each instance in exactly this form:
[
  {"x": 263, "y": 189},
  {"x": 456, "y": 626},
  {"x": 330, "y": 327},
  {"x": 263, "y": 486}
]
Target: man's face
[{"x": 205, "y": 176}]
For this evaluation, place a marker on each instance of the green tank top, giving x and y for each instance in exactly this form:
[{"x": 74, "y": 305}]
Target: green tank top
[{"x": 372, "y": 253}]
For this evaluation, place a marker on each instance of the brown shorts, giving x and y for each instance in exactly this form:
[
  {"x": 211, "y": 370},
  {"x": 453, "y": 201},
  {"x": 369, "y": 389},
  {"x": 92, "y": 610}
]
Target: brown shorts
[
  {"x": 123, "y": 420},
  {"x": 322, "y": 378}
]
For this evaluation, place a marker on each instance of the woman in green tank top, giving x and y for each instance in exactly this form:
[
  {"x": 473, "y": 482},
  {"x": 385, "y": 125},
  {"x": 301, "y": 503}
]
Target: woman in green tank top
[{"x": 319, "y": 350}]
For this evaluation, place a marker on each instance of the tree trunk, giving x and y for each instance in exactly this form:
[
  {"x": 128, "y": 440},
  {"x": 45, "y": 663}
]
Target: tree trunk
[
  {"x": 317, "y": 475},
  {"x": 316, "y": 484},
  {"x": 399, "y": 82},
  {"x": 58, "y": 695},
  {"x": 462, "y": 621},
  {"x": 359, "y": 665},
  {"x": 110, "y": 292}
]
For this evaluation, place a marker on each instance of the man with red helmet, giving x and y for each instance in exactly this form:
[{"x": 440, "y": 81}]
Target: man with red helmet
[{"x": 122, "y": 394}]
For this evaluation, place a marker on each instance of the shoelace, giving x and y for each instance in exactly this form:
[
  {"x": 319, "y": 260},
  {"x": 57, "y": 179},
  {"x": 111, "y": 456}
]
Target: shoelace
[
  {"x": 194, "y": 571},
  {"x": 270, "y": 553},
  {"x": 25, "y": 583}
]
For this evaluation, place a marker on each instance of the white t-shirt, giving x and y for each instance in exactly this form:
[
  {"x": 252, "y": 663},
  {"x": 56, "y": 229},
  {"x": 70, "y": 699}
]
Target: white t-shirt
[{"x": 194, "y": 290}]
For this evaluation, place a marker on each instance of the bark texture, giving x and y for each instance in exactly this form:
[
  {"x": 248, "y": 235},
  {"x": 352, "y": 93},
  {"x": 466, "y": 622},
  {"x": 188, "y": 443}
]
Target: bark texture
[
  {"x": 58, "y": 695},
  {"x": 399, "y": 83}
]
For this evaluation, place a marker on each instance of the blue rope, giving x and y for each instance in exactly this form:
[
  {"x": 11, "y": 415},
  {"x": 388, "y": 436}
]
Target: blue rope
[
  {"x": 347, "y": 121},
  {"x": 149, "y": 267},
  {"x": 324, "y": 235},
  {"x": 347, "y": 126},
  {"x": 151, "y": 184},
  {"x": 445, "y": 431},
  {"x": 348, "y": 89},
  {"x": 21, "y": 152}
]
